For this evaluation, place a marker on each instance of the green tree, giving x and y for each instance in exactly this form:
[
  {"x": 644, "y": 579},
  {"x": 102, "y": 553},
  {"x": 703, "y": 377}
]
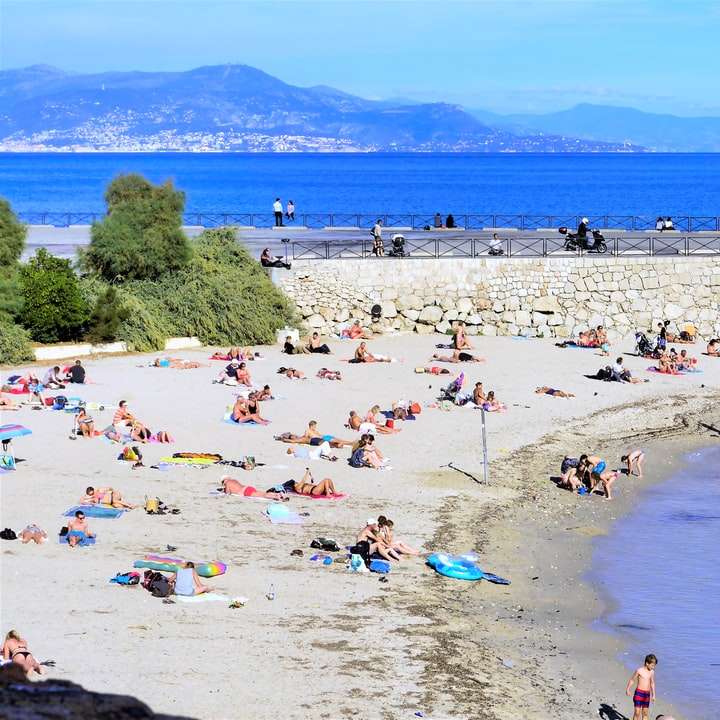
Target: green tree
[
  {"x": 12, "y": 243},
  {"x": 14, "y": 344},
  {"x": 141, "y": 237},
  {"x": 54, "y": 308},
  {"x": 107, "y": 316}
]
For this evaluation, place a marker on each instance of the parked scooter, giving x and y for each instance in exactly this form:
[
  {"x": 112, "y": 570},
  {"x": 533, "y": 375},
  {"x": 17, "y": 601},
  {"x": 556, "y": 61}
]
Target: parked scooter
[{"x": 573, "y": 242}]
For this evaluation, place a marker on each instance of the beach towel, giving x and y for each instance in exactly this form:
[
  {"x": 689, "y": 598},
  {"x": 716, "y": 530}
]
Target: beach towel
[
  {"x": 228, "y": 419},
  {"x": 204, "y": 597},
  {"x": 336, "y": 496},
  {"x": 280, "y": 514},
  {"x": 654, "y": 369},
  {"x": 187, "y": 461},
  {"x": 95, "y": 511}
]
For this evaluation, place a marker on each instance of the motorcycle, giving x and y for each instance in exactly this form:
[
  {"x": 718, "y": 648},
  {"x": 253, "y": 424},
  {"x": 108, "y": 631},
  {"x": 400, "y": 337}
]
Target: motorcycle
[{"x": 573, "y": 242}]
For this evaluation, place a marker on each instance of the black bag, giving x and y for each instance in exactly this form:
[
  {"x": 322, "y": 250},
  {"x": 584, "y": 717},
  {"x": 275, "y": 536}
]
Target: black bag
[
  {"x": 321, "y": 543},
  {"x": 160, "y": 587},
  {"x": 8, "y": 534},
  {"x": 363, "y": 550}
]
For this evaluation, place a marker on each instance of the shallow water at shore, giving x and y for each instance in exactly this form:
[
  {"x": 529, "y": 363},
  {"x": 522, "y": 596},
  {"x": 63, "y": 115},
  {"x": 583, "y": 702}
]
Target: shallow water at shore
[{"x": 659, "y": 570}]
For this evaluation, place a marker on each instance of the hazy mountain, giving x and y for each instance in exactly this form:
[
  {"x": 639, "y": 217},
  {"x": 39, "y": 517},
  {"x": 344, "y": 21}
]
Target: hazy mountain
[
  {"x": 659, "y": 132},
  {"x": 234, "y": 107}
]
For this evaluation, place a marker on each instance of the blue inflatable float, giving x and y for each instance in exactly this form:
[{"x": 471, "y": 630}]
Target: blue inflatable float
[{"x": 460, "y": 567}]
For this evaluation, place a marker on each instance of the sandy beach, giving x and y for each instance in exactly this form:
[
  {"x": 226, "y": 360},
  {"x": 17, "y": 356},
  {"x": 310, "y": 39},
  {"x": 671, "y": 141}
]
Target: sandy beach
[{"x": 335, "y": 644}]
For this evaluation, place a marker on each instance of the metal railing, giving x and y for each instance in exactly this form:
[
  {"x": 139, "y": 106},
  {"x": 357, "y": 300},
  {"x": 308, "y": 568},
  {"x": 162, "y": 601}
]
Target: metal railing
[
  {"x": 515, "y": 246},
  {"x": 412, "y": 221}
]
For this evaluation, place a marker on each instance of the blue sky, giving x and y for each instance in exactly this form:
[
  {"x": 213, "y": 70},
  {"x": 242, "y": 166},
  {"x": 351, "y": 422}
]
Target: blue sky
[{"x": 507, "y": 56}]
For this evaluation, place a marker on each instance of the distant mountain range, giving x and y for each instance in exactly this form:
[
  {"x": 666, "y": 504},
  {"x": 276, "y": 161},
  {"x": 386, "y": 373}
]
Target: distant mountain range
[
  {"x": 656, "y": 132},
  {"x": 240, "y": 108}
]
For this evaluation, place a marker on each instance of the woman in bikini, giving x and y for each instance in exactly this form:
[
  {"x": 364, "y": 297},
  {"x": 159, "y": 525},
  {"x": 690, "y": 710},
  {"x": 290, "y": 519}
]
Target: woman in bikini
[
  {"x": 372, "y": 535},
  {"x": 243, "y": 376},
  {"x": 291, "y": 373},
  {"x": 139, "y": 432},
  {"x": 85, "y": 424},
  {"x": 460, "y": 339},
  {"x": 15, "y": 648},
  {"x": 491, "y": 404},
  {"x": 545, "y": 390},
  {"x": 386, "y": 533},
  {"x": 105, "y": 496},
  {"x": 372, "y": 417},
  {"x": 306, "y": 486},
  {"x": 230, "y": 486},
  {"x": 245, "y": 411}
]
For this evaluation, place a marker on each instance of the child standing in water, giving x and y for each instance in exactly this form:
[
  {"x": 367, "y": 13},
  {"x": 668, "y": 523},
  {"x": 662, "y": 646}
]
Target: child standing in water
[{"x": 644, "y": 679}]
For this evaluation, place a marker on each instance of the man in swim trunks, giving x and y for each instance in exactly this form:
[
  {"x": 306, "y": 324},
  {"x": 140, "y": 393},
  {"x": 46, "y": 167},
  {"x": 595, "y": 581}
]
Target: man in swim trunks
[
  {"x": 230, "y": 486},
  {"x": 363, "y": 355},
  {"x": 315, "y": 437},
  {"x": 456, "y": 357},
  {"x": 105, "y": 496},
  {"x": 644, "y": 680},
  {"x": 545, "y": 390},
  {"x": 595, "y": 468},
  {"x": 78, "y": 530}
]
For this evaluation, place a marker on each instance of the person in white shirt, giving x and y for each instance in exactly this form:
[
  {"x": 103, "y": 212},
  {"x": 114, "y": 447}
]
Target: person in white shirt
[
  {"x": 277, "y": 209},
  {"x": 378, "y": 245},
  {"x": 52, "y": 378}
]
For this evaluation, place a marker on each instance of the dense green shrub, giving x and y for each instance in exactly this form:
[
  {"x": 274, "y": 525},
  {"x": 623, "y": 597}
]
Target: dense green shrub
[
  {"x": 54, "y": 308},
  {"x": 144, "y": 329},
  {"x": 107, "y": 316},
  {"x": 12, "y": 243},
  {"x": 224, "y": 298},
  {"x": 141, "y": 237},
  {"x": 14, "y": 344}
]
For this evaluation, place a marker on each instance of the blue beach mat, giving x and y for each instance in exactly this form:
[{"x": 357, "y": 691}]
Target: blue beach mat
[
  {"x": 95, "y": 511},
  {"x": 62, "y": 540}
]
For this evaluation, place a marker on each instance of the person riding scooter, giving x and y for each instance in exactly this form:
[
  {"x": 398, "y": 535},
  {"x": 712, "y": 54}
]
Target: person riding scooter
[{"x": 582, "y": 231}]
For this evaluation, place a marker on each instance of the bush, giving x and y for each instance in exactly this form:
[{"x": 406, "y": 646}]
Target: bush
[
  {"x": 14, "y": 344},
  {"x": 12, "y": 243},
  {"x": 107, "y": 316},
  {"x": 54, "y": 308},
  {"x": 225, "y": 298},
  {"x": 143, "y": 330},
  {"x": 141, "y": 237}
]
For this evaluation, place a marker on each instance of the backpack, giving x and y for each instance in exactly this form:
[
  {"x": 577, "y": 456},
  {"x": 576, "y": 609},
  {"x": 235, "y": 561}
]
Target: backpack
[
  {"x": 160, "y": 587},
  {"x": 149, "y": 576},
  {"x": 8, "y": 534},
  {"x": 60, "y": 402}
]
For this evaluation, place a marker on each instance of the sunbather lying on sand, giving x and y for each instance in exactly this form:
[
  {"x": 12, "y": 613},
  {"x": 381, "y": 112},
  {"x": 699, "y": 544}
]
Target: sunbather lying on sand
[
  {"x": 363, "y": 355},
  {"x": 105, "y": 496},
  {"x": 457, "y": 356},
  {"x": 291, "y": 373},
  {"x": 433, "y": 370},
  {"x": 307, "y": 486},
  {"x": 312, "y": 436},
  {"x": 306, "y": 452},
  {"x": 32, "y": 533},
  {"x": 7, "y": 403},
  {"x": 15, "y": 648},
  {"x": 230, "y": 486},
  {"x": 177, "y": 363},
  {"x": 325, "y": 374},
  {"x": 545, "y": 390}
]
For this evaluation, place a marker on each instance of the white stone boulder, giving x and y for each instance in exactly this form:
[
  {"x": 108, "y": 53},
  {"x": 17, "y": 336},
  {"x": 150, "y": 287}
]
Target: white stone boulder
[{"x": 431, "y": 315}]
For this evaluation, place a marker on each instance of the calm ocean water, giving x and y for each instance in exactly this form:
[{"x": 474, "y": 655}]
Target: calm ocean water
[
  {"x": 660, "y": 568},
  {"x": 459, "y": 183}
]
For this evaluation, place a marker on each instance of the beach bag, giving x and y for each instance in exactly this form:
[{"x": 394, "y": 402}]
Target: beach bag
[
  {"x": 128, "y": 578},
  {"x": 160, "y": 587},
  {"x": 60, "y": 402},
  {"x": 152, "y": 505},
  {"x": 321, "y": 543},
  {"x": 362, "y": 549},
  {"x": 149, "y": 576},
  {"x": 8, "y": 534}
]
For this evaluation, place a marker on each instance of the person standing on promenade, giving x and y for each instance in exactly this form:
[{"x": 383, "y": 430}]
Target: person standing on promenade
[
  {"x": 277, "y": 209},
  {"x": 378, "y": 246},
  {"x": 290, "y": 211},
  {"x": 644, "y": 680}
]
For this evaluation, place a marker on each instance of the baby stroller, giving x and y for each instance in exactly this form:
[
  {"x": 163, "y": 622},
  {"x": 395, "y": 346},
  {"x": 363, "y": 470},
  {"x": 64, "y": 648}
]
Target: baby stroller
[
  {"x": 398, "y": 246},
  {"x": 452, "y": 391},
  {"x": 643, "y": 346}
]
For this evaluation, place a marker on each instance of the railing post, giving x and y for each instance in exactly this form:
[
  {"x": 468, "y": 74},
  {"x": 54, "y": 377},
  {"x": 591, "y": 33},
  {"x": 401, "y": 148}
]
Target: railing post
[
  {"x": 651, "y": 246},
  {"x": 332, "y": 220},
  {"x": 544, "y": 247}
]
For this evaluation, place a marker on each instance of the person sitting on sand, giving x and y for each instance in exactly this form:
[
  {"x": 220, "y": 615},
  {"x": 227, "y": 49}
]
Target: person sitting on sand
[
  {"x": 52, "y": 379},
  {"x": 666, "y": 364},
  {"x": 595, "y": 469},
  {"x": 356, "y": 332},
  {"x": 457, "y": 356},
  {"x": 478, "y": 396},
  {"x": 187, "y": 581},
  {"x": 35, "y": 387},
  {"x": 139, "y": 432},
  {"x": 15, "y": 648},
  {"x": 545, "y": 390},
  {"x": 363, "y": 355},
  {"x": 372, "y": 535},
  {"x": 385, "y": 531},
  {"x": 78, "y": 530},
  {"x": 634, "y": 461},
  {"x": 245, "y": 411},
  {"x": 315, "y": 345},
  {"x": 291, "y": 373},
  {"x": 602, "y": 340},
  {"x": 231, "y": 486},
  {"x": 264, "y": 394},
  {"x": 354, "y": 422},
  {"x": 569, "y": 474},
  {"x": 460, "y": 338},
  {"x": 307, "y": 486},
  {"x": 240, "y": 353},
  {"x": 621, "y": 374},
  {"x": 75, "y": 374},
  {"x": 32, "y": 533},
  {"x": 84, "y": 423},
  {"x": 289, "y": 347},
  {"x": 366, "y": 453},
  {"x": 229, "y": 376},
  {"x": 105, "y": 496},
  {"x": 122, "y": 417},
  {"x": 381, "y": 427},
  {"x": 492, "y": 404},
  {"x": 686, "y": 363}
]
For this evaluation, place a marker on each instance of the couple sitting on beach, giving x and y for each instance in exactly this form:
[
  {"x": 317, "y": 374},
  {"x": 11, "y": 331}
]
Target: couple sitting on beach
[
  {"x": 586, "y": 473},
  {"x": 236, "y": 373},
  {"x": 366, "y": 454},
  {"x": 247, "y": 410},
  {"x": 122, "y": 420},
  {"x": 379, "y": 536},
  {"x": 596, "y": 338},
  {"x": 671, "y": 362},
  {"x": 313, "y": 345},
  {"x": 616, "y": 372}
]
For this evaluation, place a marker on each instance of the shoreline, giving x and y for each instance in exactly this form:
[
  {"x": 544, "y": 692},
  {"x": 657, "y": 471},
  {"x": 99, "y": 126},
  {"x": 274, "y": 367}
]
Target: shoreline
[{"x": 530, "y": 607}]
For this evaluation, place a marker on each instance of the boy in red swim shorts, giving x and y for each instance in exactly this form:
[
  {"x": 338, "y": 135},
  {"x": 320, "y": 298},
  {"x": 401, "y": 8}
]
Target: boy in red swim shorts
[{"x": 644, "y": 679}]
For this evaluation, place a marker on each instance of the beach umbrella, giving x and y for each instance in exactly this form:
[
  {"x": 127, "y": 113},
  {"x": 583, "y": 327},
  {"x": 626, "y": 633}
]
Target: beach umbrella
[{"x": 7, "y": 434}]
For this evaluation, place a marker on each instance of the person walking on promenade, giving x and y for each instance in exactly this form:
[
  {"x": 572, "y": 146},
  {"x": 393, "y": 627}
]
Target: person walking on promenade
[
  {"x": 378, "y": 246},
  {"x": 277, "y": 209},
  {"x": 290, "y": 211}
]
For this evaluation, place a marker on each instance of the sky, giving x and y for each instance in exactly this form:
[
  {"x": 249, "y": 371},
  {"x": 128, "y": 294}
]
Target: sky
[{"x": 498, "y": 55}]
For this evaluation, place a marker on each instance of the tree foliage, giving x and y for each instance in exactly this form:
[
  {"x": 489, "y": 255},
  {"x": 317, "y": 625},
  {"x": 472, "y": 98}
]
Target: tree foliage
[
  {"x": 14, "y": 344},
  {"x": 54, "y": 308},
  {"x": 141, "y": 237},
  {"x": 107, "y": 317},
  {"x": 12, "y": 243}
]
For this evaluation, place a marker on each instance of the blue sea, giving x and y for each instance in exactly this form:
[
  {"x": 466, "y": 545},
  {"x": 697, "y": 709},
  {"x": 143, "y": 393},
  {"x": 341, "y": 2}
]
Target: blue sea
[
  {"x": 625, "y": 184},
  {"x": 660, "y": 569}
]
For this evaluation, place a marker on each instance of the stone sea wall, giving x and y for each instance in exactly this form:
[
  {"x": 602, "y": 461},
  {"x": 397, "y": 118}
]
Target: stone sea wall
[{"x": 548, "y": 297}]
